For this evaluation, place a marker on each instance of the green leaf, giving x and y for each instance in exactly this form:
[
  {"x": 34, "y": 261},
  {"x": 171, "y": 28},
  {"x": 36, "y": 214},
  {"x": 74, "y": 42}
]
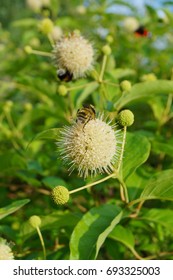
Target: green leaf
[
  {"x": 160, "y": 186},
  {"x": 137, "y": 150},
  {"x": 123, "y": 235},
  {"x": 91, "y": 231},
  {"x": 85, "y": 93},
  {"x": 56, "y": 220},
  {"x": 13, "y": 207},
  {"x": 162, "y": 148},
  {"x": 53, "y": 181},
  {"x": 160, "y": 216},
  {"x": 51, "y": 133},
  {"x": 144, "y": 90},
  {"x": 119, "y": 73}
]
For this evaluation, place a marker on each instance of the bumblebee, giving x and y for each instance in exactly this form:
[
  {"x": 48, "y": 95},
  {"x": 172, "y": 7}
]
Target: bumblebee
[
  {"x": 86, "y": 114},
  {"x": 64, "y": 75}
]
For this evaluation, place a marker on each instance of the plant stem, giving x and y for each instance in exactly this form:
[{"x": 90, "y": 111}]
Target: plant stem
[
  {"x": 42, "y": 242},
  {"x": 122, "y": 148},
  {"x": 50, "y": 40},
  {"x": 109, "y": 83},
  {"x": 137, "y": 210},
  {"x": 41, "y": 53},
  {"x": 94, "y": 183},
  {"x": 79, "y": 86},
  {"x": 123, "y": 187},
  {"x": 103, "y": 68}
]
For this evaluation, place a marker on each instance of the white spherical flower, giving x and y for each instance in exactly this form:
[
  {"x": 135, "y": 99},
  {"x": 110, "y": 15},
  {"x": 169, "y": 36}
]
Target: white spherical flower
[
  {"x": 34, "y": 5},
  {"x": 81, "y": 10},
  {"x": 45, "y": 2},
  {"x": 92, "y": 148},
  {"x": 131, "y": 24},
  {"x": 56, "y": 33},
  {"x": 5, "y": 251},
  {"x": 74, "y": 54}
]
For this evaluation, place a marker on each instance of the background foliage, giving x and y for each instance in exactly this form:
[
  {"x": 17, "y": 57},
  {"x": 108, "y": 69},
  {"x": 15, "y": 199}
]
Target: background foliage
[{"x": 95, "y": 224}]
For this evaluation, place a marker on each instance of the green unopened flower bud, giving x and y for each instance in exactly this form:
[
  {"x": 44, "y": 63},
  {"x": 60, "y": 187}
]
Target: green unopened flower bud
[
  {"x": 125, "y": 85},
  {"x": 125, "y": 118},
  {"x": 28, "y": 49},
  {"x": 106, "y": 50},
  {"x": 60, "y": 195},
  {"x": 148, "y": 77},
  {"x": 62, "y": 90},
  {"x": 28, "y": 106},
  {"x": 46, "y": 26},
  {"x": 109, "y": 39},
  {"x": 35, "y": 221},
  {"x": 7, "y": 106}
]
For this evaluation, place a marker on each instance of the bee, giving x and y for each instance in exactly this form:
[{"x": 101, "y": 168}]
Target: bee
[
  {"x": 86, "y": 114},
  {"x": 64, "y": 75}
]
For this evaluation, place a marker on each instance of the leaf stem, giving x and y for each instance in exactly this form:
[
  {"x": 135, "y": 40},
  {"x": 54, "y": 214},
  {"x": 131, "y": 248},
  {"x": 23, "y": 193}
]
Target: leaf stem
[
  {"x": 123, "y": 189},
  {"x": 103, "y": 68},
  {"x": 41, "y": 53},
  {"x": 94, "y": 183},
  {"x": 122, "y": 148},
  {"x": 79, "y": 86},
  {"x": 50, "y": 39},
  {"x": 42, "y": 242}
]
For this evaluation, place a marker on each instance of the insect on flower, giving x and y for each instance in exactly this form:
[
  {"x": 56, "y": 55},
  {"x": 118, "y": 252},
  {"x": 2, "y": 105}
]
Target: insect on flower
[
  {"x": 64, "y": 75},
  {"x": 141, "y": 31},
  {"x": 85, "y": 114}
]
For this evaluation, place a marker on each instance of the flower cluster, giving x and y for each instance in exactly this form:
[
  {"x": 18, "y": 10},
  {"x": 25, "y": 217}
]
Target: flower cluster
[
  {"x": 5, "y": 250},
  {"x": 92, "y": 148},
  {"x": 73, "y": 53}
]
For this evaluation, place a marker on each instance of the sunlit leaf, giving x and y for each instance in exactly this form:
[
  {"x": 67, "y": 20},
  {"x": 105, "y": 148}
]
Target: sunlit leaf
[
  {"x": 144, "y": 91},
  {"x": 13, "y": 207},
  {"x": 91, "y": 231},
  {"x": 160, "y": 186},
  {"x": 137, "y": 150}
]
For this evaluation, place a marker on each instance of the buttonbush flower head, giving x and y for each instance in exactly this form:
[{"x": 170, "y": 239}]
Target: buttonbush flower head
[
  {"x": 125, "y": 85},
  {"x": 126, "y": 118},
  {"x": 130, "y": 24},
  {"x": 5, "y": 250},
  {"x": 60, "y": 195},
  {"x": 56, "y": 33},
  {"x": 35, "y": 221},
  {"x": 73, "y": 53},
  {"x": 148, "y": 77},
  {"x": 91, "y": 148},
  {"x": 36, "y": 5}
]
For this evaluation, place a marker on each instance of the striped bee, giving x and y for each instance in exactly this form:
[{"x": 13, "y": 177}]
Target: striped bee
[
  {"x": 64, "y": 75},
  {"x": 85, "y": 114}
]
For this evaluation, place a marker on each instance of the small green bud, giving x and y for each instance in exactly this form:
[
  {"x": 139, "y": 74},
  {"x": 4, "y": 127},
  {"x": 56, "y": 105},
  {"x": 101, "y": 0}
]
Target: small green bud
[
  {"x": 126, "y": 118},
  {"x": 28, "y": 49},
  {"x": 46, "y": 26},
  {"x": 35, "y": 221},
  {"x": 60, "y": 195},
  {"x": 28, "y": 106},
  {"x": 7, "y": 106},
  {"x": 62, "y": 90},
  {"x": 106, "y": 50},
  {"x": 148, "y": 77},
  {"x": 125, "y": 85},
  {"x": 109, "y": 39}
]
